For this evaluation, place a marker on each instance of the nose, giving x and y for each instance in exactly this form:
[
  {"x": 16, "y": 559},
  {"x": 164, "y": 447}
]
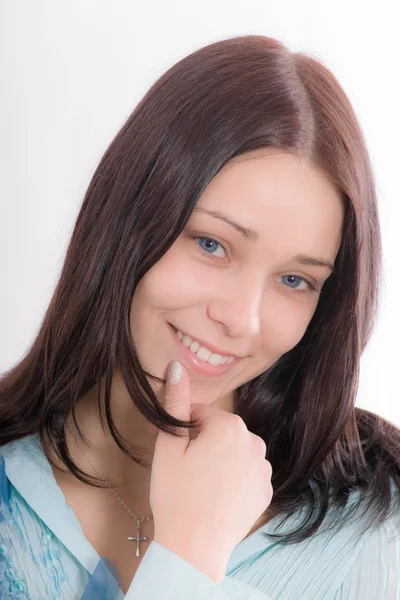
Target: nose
[{"x": 237, "y": 307}]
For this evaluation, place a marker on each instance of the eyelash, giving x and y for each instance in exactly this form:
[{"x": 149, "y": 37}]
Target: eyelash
[{"x": 197, "y": 237}]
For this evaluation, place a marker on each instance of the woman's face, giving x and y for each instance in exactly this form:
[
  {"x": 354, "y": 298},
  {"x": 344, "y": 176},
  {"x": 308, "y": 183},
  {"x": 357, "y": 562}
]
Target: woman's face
[{"x": 247, "y": 296}]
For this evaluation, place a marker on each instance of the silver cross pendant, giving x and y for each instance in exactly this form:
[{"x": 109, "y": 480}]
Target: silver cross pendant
[{"x": 137, "y": 538}]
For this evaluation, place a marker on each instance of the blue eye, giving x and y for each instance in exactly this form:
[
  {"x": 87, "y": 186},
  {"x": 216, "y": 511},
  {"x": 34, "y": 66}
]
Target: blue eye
[
  {"x": 210, "y": 245},
  {"x": 308, "y": 283}
]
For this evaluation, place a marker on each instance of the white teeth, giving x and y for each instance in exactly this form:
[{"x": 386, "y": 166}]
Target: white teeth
[
  {"x": 215, "y": 359},
  {"x": 202, "y": 352},
  {"x": 186, "y": 341}
]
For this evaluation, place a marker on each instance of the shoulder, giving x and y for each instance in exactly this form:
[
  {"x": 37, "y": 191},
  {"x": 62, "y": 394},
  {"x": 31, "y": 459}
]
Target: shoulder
[
  {"x": 19, "y": 470},
  {"x": 375, "y": 573},
  {"x": 329, "y": 564},
  {"x": 371, "y": 552}
]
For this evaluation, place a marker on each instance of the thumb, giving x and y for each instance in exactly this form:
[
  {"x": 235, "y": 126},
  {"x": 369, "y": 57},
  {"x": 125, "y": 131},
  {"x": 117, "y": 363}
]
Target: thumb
[{"x": 177, "y": 398}]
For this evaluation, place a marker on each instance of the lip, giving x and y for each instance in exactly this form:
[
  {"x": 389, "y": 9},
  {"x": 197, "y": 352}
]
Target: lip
[{"x": 190, "y": 359}]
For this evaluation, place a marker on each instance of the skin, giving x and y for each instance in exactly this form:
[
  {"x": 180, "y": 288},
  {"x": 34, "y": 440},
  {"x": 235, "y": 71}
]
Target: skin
[{"x": 241, "y": 299}]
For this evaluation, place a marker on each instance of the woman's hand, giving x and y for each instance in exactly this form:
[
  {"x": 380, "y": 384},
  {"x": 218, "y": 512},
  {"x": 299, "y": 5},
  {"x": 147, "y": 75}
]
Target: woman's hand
[{"x": 207, "y": 492}]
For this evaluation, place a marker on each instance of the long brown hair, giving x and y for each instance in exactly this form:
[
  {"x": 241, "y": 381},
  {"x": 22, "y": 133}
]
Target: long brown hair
[{"x": 223, "y": 100}]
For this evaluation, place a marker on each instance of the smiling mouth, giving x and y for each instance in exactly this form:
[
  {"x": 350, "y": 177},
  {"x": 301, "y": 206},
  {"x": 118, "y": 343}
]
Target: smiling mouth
[
  {"x": 197, "y": 363},
  {"x": 202, "y": 352}
]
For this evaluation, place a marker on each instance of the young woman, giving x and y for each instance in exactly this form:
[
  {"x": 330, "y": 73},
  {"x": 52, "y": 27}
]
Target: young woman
[{"x": 231, "y": 226}]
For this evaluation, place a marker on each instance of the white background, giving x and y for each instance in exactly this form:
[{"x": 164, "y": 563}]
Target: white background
[{"x": 73, "y": 70}]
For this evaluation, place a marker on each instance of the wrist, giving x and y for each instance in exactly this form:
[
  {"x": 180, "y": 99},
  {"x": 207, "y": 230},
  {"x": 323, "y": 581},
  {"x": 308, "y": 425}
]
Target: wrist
[{"x": 214, "y": 567}]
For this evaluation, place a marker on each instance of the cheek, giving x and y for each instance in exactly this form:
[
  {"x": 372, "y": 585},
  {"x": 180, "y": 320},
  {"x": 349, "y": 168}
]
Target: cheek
[
  {"x": 281, "y": 334},
  {"x": 172, "y": 283},
  {"x": 286, "y": 329}
]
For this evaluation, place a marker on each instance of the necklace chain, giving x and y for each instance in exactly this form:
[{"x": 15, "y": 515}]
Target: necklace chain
[{"x": 139, "y": 520}]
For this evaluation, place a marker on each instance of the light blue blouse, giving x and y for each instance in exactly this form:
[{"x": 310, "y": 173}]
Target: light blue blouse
[{"x": 44, "y": 554}]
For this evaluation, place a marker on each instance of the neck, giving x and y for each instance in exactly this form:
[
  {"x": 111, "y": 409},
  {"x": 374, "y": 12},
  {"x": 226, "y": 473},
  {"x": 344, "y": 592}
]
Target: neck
[{"x": 129, "y": 479}]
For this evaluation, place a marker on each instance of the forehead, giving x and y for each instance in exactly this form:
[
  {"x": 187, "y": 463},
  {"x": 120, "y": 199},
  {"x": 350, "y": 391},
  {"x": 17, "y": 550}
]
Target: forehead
[{"x": 281, "y": 195}]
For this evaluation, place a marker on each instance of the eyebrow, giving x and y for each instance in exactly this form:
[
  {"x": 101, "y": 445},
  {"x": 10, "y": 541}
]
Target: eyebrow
[{"x": 253, "y": 235}]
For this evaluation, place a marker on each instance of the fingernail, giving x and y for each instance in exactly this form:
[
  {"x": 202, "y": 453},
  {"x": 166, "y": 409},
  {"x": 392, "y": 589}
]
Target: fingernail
[{"x": 174, "y": 372}]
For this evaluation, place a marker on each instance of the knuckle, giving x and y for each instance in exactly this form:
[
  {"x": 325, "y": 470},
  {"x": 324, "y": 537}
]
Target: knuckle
[
  {"x": 259, "y": 444},
  {"x": 263, "y": 446},
  {"x": 237, "y": 422},
  {"x": 268, "y": 467},
  {"x": 233, "y": 420}
]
